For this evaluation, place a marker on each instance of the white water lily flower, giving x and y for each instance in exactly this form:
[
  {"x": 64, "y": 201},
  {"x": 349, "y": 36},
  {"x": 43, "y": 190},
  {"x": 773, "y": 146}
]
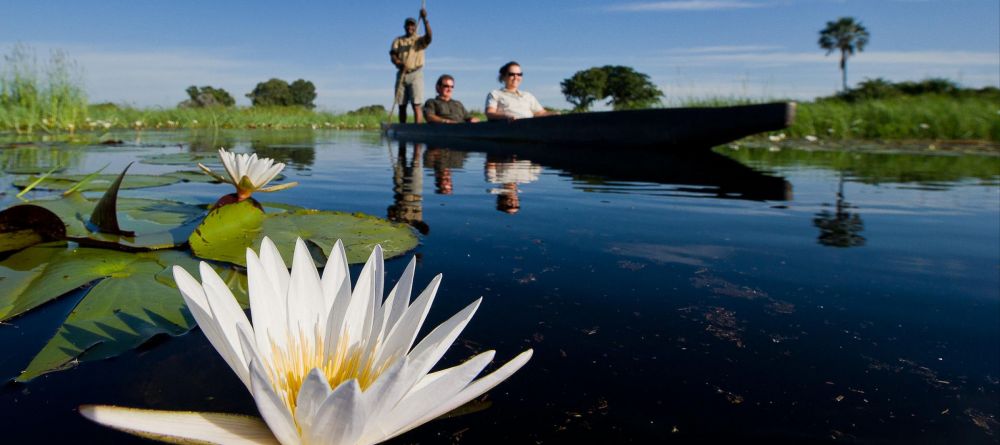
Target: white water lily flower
[
  {"x": 248, "y": 173},
  {"x": 325, "y": 364}
]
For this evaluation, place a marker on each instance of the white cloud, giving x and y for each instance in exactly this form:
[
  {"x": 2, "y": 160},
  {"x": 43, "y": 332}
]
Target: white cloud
[{"x": 684, "y": 5}]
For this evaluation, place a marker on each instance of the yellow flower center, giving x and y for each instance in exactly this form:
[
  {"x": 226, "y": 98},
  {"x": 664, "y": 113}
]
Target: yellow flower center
[{"x": 290, "y": 366}]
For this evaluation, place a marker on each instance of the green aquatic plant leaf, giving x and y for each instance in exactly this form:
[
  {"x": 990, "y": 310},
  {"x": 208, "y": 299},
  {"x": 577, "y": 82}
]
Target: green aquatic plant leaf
[
  {"x": 105, "y": 214},
  {"x": 132, "y": 298},
  {"x": 158, "y": 224},
  {"x": 85, "y": 180},
  {"x": 225, "y": 235},
  {"x": 95, "y": 183},
  {"x": 27, "y": 225},
  {"x": 227, "y": 231},
  {"x": 36, "y": 181}
]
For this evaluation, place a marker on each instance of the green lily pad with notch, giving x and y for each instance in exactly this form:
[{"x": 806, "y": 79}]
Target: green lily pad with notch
[
  {"x": 98, "y": 183},
  {"x": 210, "y": 159},
  {"x": 227, "y": 231},
  {"x": 132, "y": 299},
  {"x": 226, "y": 236},
  {"x": 158, "y": 224}
]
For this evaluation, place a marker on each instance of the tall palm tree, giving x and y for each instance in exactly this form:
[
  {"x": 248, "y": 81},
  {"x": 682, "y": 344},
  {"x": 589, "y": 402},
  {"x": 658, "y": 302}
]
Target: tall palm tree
[{"x": 848, "y": 36}]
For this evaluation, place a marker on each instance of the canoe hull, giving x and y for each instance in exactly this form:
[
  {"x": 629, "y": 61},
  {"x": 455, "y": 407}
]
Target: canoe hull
[{"x": 670, "y": 127}]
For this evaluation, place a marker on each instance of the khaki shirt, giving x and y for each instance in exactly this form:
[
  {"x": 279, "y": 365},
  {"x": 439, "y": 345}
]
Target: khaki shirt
[
  {"x": 520, "y": 104},
  {"x": 410, "y": 50},
  {"x": 452, "y": 110}
]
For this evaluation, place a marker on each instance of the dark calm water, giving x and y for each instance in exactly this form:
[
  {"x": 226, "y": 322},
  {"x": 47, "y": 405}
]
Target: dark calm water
[{"x": 840, "y": 297}]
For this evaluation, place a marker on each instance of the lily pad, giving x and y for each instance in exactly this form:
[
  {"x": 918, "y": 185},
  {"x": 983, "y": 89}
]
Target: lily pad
[
  {"x": 98, "y": 183},
  {"x": 225, "y": 235},
  {"x": 227, "y": 231},
  {"x": 132, "y": 299},
  {"x": 158, "y": 224},
  {"x": 210, "y": 159},
  {"x": 193, "y": 176},
  {"x": 23, "y": 226}
]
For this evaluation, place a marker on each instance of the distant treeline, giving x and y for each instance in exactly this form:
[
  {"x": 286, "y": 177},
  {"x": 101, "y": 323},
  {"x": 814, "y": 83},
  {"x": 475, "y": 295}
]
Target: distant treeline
[{"x": 879, "y": 88}]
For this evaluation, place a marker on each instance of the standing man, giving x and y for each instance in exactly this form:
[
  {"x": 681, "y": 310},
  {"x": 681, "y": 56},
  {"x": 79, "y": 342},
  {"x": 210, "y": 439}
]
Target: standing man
[
  {"x": 407, "y": 53},
  {"x": 443, "y": 109}
]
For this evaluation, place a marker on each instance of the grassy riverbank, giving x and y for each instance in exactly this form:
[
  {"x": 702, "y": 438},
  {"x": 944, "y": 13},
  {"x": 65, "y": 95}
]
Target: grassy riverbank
[{"x": 920, "y": 117}]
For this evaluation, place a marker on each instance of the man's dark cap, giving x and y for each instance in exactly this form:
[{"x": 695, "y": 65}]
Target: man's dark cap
[{"x": 410, "y": 20}]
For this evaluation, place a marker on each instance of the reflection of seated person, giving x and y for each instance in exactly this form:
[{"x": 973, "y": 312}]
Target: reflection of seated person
[
  {"x": 443, "y": 109},
  {"x": 509, "y": 174},
  {"x": 507, "y": 199}
]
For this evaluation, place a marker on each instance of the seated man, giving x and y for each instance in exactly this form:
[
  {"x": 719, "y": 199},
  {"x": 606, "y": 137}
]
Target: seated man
[{"x": 443, "y": 109}]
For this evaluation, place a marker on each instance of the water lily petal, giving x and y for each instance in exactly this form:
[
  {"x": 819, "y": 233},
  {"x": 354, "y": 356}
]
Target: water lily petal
[
  {"x": 306, "y": 307},
  {"x": 226, "y": 312},
  {"x": 278, "y": 187},
  {"x": 182, "y": 426},
  {"x": 214, "y": 175},
  {"x": 400, "y": 338},
  {"x": 341, "y": 418},
  {"x": 432, "y": 391},
  {"x": 427, "y": 353},
  {"x": 272, "y": 407},
  {"x": 267, "y": 305},
  {"x": 279, "y": 278},
  {"x": 337, "y": 294},
  {"x": 274, "y": 266},
  {"x": 197, "y": 302},
  {"x": 315, "y": 390},
  {"x": 475, "y": 389},
  {"x": 257, "y": 169},
  {"x": 336, "y": 276},
  {"x": 229, "y": 163},
  {"x": 386, "y": 391},
  {"x": 366, "y": 295},
  {"x": 447, "y": 382},
  {"x": 396, "y": 302}
]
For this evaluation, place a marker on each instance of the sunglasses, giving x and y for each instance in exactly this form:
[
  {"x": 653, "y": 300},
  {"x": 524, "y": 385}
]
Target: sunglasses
[
  {"x": 515, "y": 74},
  {"x": 446, "y": 86}
]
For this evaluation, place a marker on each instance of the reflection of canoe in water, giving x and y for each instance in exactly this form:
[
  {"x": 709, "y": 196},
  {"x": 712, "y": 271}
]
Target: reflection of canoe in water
[
  {"x": 700, "y": 173},
  {"x": 662, "y": 128}
]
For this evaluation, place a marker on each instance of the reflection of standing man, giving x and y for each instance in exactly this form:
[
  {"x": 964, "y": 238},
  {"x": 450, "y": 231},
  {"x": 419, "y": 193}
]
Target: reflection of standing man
[
  {"x": 407, "y": 53},
  {"x": 407, "y": 190}
]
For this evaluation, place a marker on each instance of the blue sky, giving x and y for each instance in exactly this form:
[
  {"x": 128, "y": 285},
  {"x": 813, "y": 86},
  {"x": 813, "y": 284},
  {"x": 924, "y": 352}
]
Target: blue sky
[{"x": 146, "y": 52}]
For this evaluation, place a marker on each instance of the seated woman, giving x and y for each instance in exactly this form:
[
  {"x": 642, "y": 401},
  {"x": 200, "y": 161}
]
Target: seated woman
[{"x": 509, "y": 103}]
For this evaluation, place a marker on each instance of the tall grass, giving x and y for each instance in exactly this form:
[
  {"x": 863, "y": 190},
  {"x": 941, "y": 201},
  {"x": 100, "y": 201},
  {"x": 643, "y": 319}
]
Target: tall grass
[
  {"x": 33, "y": 98},
  {"x": 908, "y": 117},
  {"x": 114, "y": 116}
]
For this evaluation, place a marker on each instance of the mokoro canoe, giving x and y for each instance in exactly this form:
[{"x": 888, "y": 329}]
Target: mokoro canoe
[{"x": 664, "y": 127}]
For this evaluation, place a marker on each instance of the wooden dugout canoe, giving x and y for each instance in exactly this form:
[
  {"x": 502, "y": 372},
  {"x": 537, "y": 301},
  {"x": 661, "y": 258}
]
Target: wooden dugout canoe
[{"x": 664, "y": 127}]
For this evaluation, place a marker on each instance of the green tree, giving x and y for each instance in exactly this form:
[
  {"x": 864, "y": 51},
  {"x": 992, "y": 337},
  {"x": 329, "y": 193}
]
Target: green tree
[
  {"x": 848, "y": 36},
  {"x": 630, "y": 89},
  {"x": 274, "y": 92},
  {"x": 585, "y": 88},
  {"x": 302, "y": 92},
  {"x": 624, "y": 87},
  {"x": 207, "y": 97}
]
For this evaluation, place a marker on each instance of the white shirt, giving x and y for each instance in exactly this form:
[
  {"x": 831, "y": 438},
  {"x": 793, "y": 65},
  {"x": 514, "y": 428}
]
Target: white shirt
[{"x": 520, "y": 104}]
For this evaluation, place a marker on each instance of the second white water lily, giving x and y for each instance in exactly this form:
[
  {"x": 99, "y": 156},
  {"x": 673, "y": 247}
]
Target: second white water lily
[
  {"x": 248, "y": 173},
  {"x": 325, "y": 364}
]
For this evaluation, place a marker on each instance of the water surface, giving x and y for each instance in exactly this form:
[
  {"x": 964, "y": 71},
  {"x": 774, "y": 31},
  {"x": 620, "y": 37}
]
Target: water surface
[{"x": 781, "y": 296}]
